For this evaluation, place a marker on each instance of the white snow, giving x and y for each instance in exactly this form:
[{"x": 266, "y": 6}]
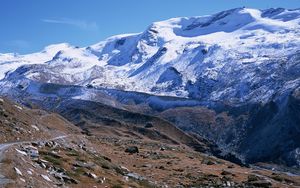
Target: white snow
[
  {"x": 199, "y": 48},
  {"x": 10, "y": 62}
]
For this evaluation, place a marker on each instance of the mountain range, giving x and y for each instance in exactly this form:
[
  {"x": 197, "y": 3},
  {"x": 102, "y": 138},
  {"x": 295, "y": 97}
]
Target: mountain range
[{"x": 231, "y": 79}]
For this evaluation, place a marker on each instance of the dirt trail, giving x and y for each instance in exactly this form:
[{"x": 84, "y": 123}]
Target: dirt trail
[{"x": 5, "y": 146}]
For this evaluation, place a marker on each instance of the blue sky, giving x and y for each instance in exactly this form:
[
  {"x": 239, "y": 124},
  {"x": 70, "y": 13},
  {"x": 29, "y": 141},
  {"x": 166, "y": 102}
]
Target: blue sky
[{"x": 30, "y": 25}]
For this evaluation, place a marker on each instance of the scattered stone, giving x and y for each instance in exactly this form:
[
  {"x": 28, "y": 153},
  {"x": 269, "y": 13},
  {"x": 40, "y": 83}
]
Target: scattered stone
[
  {"x": 101, "y": 180},
  {"x": 261, "y": 183},
  {"x": 179, "y": 170},
  {"x": 32, "y": 152},
  {"x": 148, "y": 125},
  {"x": 253, "y": 178},
  {"x": 21, "y": 152},
  {"x": 280, "y": 178},
  {"x": 18, "y": 107},
  {"x": 228, "y": 183},
  {"x": 208, "y": 162},
  {"x": 82, "y": 146},
  {"x": 132, "y": 150},
  {"x": 35, "y": 144},
  {"x": 51, "y": 144},
  {"x": 231, "y": 166},
  {"x": 41, "y": 143},
  {"x": 147, "y": 166},
  {"x": 256, "y": 181},
  {"x": 18, "y": 171},
  {"x": 64, "y": 178},
  {"x": 59, "y": 170},
  {"x": 35, "y": 127},
  {"x": 91, "y": 175},
  {"x": 224, "y": 173},
  {"x": 54, "y": 154},
  {"x": 45, "y": 177},
  {"x": 84, "y": 164},
  {"x": 68, "y": 179},
  {"x": 42, "y": 163},
  {"x": 126, "y": 170},
  {"x": 29, "y": 172},
  {"x": 105, "y": 166},
  {"x": 135, "y": 176},
  {"x": 106, "y": 158}
]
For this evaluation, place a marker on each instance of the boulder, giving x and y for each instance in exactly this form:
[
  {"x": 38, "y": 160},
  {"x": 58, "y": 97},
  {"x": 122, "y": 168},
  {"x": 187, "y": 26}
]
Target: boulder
[
  {"x": 132, "y": 150},
  {"x": 148, "y": 125},
  {"x": 91, "y": 175},
  {"x": 18, "y": 171}
]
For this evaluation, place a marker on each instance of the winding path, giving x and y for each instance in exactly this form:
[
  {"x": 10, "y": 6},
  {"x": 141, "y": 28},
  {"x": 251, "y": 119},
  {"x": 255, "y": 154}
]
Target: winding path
[{"x": 5, "y": 146}]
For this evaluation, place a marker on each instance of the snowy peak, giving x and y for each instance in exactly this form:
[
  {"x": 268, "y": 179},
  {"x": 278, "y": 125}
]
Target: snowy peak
[
  {"x": 10, "y": 62},
  {"x": 54, "y": 48},
  {"x": 224, "y": 56},
  {"x": 281, "y": 14},
  {"x": 228, "y": 21}
]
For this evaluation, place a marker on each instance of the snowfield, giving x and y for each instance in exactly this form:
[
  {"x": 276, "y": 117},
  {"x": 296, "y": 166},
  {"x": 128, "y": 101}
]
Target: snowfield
[{"x": 239, "y": 55}]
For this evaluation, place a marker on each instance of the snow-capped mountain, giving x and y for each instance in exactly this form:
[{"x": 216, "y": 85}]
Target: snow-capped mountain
[
  {"x": 237, "y": 55},
  {"x": 233, "y": 78}
]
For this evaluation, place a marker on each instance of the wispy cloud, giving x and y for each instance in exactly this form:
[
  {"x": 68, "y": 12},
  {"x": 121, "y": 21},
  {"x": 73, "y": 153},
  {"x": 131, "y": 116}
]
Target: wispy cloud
[{"x": 82, "y": 24}]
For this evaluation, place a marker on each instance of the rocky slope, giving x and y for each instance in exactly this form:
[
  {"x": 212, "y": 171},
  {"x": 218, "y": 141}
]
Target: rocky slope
[
  {"x": 254, "y": 132},
  {"x": 59, "y": 155}
]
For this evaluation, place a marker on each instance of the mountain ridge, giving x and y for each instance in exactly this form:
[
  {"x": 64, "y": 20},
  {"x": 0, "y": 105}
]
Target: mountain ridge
[{"x": 237, "y": 39}]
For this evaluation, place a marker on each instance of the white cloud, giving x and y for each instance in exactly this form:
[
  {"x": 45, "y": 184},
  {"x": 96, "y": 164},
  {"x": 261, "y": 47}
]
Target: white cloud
[{"x": 82, "y": 24}]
